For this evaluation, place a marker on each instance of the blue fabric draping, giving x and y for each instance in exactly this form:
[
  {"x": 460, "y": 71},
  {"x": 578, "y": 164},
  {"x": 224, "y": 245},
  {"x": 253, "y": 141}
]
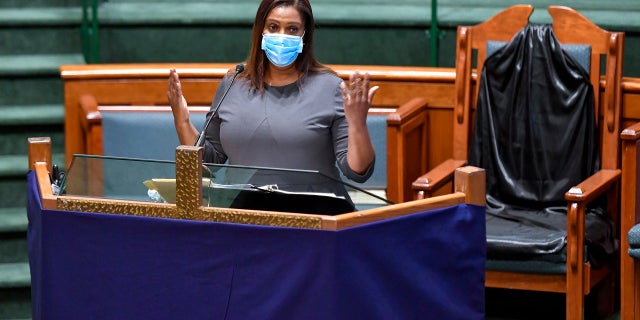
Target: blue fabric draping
[{"x": 428, "y": 265}]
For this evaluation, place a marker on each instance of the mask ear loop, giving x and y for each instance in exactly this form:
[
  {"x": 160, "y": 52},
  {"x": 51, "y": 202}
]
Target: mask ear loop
[{"x": 301, "y": 45}]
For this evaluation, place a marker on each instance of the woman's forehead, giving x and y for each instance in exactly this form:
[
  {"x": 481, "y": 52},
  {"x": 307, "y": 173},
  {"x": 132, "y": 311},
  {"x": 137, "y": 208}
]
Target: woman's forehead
[{"x": 285, "y": 14}]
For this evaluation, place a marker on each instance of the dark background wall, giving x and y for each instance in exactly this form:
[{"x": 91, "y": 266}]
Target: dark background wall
[{"x": 348, "y": 32}]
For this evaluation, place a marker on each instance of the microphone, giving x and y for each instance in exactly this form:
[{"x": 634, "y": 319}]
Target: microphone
[{"x": 200, "y": 140}]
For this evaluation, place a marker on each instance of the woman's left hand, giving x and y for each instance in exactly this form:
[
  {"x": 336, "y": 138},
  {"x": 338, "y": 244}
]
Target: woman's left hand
[{"x": 357, "y": 97}]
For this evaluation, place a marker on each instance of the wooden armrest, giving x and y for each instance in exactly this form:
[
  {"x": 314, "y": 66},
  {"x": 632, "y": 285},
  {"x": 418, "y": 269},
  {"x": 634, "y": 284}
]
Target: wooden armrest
[
  {"x": 594, "y": 186},
  {"x": 578, "y": 196},
  {"x": 89, "y": 112},
  {"x": 631, "y": 133},
  {"x": 406, "y": 145},
  {"x": 90, "y": 124},
  {"x": 407, "y": 111},
  {"x": 438, "y": 176}
]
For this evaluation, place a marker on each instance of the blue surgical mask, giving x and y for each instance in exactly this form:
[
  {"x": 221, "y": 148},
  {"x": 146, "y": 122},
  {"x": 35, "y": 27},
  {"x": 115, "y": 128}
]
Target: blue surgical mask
[{"x": 281, "y": 49}]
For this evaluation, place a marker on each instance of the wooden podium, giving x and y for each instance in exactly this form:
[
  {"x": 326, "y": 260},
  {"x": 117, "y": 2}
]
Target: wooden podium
[{"x": 108, "y": 258}]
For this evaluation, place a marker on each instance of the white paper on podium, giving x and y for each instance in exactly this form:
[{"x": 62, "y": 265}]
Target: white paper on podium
[{"x": 167, "y": 187}]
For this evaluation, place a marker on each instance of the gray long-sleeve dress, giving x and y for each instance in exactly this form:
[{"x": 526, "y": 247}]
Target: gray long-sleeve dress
[{"x": 291, "y": 126}]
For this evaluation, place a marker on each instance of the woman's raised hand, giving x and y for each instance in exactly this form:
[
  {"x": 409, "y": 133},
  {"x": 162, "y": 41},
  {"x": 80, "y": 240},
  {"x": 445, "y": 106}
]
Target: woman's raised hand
[
  {"x": 176, "y": 100},
  {"x": 186, "y": 131},
  {"x": 357, "y": 96}
]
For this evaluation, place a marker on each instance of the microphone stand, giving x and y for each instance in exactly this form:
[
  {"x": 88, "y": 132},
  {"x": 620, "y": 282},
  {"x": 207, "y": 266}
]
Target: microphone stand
[{"x": 201, "y": 136}]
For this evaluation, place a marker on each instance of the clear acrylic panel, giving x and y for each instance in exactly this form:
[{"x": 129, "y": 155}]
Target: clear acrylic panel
[{"x": 225, "y": 186}]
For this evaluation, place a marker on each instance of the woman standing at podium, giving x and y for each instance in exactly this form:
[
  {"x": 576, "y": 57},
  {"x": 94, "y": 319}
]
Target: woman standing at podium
[{"x": 285, "y": 109}]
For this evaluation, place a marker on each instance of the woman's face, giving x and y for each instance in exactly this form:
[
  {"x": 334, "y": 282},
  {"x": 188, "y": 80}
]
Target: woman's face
[{"x": 286, "y": 20}]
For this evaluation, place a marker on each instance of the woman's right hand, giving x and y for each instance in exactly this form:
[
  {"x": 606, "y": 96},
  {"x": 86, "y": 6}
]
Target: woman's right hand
[
  {"x": 187, "y": 133},
  {"x": 176, "y": 100}
]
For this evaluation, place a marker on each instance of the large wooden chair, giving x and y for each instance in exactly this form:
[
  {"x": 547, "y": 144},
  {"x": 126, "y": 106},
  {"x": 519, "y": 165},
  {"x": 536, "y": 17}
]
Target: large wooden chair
[
  {"x": 630, "y": 225},
  {"x": 577, "y": 276}
]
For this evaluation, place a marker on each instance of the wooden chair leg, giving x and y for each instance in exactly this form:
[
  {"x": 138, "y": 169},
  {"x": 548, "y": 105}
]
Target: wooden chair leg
[
  {"x": 603, "y": 297},
  {"x": 575, "y": 293}
]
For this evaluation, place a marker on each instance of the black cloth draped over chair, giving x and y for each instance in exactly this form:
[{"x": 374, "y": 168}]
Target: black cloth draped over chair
[{"x": 535, "y": 135}]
